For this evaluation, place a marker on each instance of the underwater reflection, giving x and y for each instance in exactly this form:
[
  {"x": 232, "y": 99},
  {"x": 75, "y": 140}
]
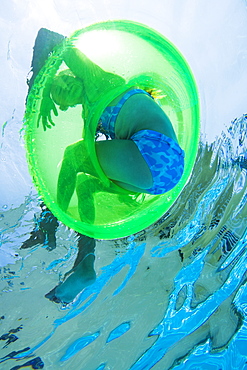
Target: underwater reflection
[
  {"x": 207, "y": 223},
  {"x": 174, "y": 285}
]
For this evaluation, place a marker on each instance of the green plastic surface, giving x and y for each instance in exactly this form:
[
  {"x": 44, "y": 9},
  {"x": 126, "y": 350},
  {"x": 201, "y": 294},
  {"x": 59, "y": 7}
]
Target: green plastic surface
[{"x": 143, "y": 58}]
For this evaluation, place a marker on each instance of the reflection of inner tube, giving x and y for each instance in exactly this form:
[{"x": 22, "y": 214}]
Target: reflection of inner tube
[{"x": 145, "y": 59}]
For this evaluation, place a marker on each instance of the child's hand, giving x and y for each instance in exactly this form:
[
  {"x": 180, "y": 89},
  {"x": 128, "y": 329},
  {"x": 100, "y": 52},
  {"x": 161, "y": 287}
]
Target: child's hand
[{"x": 47, "y": 105}]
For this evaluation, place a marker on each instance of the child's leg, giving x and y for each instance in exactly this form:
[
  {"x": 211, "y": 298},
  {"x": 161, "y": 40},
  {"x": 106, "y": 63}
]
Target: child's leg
[
  {"x": 80, "y": 276},
  {"x": 85, "y": 190},
  {"x": 75, "y": 160},
  {"x": 121, "y": 161}
]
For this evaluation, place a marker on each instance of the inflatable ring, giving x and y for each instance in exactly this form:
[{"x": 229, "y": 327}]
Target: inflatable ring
[{"x": 146, "y": 59}]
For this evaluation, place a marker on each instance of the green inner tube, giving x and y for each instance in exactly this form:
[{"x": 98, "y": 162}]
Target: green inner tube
[{"x": 146, "y": 59}]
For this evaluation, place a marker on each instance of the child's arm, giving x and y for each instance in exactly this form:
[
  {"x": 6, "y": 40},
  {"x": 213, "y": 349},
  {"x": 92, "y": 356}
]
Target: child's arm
[
  {"x": 47, "y": 105},
  {"x": 80, "y": 65},
  {"x": 45, "y": 43},
  {"x": 96, "y": 81}
]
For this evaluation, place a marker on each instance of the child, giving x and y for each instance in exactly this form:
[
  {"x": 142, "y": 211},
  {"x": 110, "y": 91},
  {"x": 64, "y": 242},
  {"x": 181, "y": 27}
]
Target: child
[{"x": 143, "y": 156}]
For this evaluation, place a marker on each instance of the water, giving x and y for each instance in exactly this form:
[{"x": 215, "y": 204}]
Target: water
[{"x": 174, "y": 294}]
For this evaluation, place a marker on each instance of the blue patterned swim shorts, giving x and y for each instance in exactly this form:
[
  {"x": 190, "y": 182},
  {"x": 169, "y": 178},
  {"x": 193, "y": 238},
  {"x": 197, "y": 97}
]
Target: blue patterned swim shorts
[
  {"x": 108, "y": 118},
  {"x": 164, "y": 157}
]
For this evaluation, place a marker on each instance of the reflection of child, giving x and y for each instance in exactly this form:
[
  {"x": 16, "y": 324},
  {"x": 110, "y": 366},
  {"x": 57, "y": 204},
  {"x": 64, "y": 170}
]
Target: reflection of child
[
  {"x": 143, "y": 155},
  {"x": 44, "y": 231}
]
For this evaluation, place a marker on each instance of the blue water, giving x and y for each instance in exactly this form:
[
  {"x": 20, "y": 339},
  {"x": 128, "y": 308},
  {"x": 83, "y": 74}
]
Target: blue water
[{"x": 174, "y": 295}]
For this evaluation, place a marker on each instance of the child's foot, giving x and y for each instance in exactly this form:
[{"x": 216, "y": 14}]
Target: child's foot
[{"x": 81, "y": 277}]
